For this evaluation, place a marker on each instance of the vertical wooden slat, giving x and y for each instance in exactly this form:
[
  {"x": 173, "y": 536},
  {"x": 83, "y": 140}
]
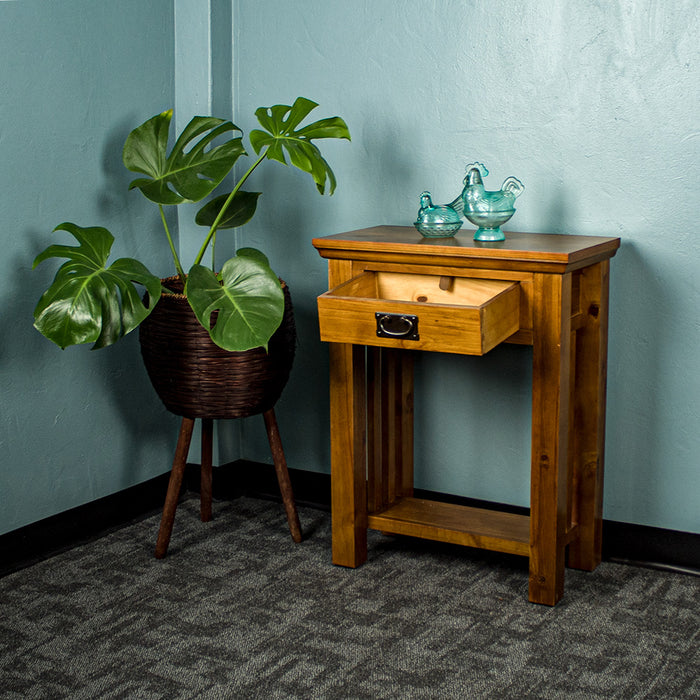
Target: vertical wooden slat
[
  {"x": 380, "y": 445},
  {"x": 391, "y": 434},
  {"x": 375, "y": 501},
  {"x": 550, "y": 427},
  {"x": 389, "y": 427},
  {"x": 571, "y": 504},
  {"x": 405, "y": 425},
  {"x": 589, "y": 426}
]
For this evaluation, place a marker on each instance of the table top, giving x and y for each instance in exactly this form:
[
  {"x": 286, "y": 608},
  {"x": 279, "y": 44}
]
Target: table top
[{"x": 550, "y": 251}]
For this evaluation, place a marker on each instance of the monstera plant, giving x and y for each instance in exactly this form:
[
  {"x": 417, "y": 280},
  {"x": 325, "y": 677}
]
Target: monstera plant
[{"x": 241, "y": 305}]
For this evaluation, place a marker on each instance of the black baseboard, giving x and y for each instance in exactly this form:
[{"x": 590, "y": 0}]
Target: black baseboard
[
  {"x": 653, "y": 547},
  {"x": 638, "y": 545},
  {"x": 622, "y": 542},
  {"x": 27, "y": 545}
]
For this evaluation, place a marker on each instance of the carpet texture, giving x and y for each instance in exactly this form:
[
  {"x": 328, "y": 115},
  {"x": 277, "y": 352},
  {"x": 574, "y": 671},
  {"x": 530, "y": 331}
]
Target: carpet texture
[{"x": 237, "y": 610}]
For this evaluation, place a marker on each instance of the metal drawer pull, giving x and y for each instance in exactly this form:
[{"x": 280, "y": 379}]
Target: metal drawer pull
[{"x": 397, "y": 326}]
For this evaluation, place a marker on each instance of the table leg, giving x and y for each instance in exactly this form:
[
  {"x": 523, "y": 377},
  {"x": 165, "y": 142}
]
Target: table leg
[
  {"x": 551, "y": 386},
  {"x": 589, "y": 422},
  {"x": 205, "y": 478},
  {"x": 179, "y": 462},
  {"x": 285, "y": 483},
  {"x": 348, "y": 459}
]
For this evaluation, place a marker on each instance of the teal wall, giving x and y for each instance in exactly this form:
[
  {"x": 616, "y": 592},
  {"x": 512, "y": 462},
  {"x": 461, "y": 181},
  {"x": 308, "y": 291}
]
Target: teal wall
[
  {"x": 592, "y": 105},
  {"x": 76, "y": 77}
]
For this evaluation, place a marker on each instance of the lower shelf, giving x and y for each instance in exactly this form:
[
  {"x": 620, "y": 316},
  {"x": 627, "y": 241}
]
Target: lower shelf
[{"x": 446, "y": 522}]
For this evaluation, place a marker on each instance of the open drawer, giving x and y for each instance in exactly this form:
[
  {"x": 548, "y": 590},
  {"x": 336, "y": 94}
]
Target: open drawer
[{"x": 461, "y": 315}]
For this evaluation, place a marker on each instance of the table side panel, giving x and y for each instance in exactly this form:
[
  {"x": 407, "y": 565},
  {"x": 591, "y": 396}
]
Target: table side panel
[{"x": 588, "y": 436}]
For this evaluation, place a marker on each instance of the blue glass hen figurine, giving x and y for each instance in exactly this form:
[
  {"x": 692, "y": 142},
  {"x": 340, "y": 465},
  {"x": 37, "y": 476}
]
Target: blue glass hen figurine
[{"x": 488, "y": 210}]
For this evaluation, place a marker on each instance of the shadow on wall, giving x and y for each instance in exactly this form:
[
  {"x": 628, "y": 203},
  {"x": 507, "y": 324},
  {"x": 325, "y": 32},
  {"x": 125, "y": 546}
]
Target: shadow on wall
[
  {"x": 114, "y": 198},
  {"x": 23, "y": 346},
  {"x": 559, "y": 213},
  {"x": 136, "y": 224},
  {"x": 390, "y": 165},
  {"x": 473, "y": 423},
  {"x": 282, "y": 228},
  {"x": 141, "y": 414},
  {"x": 59, "y": 396},
  {"x": 121, "y": 369},
  {"x": 636, "y": 365},
  {"x": 79, "y": 390}
]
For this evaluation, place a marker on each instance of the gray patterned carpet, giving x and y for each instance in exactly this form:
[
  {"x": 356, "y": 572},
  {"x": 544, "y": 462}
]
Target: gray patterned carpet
[{"x": 237, "y": 610}]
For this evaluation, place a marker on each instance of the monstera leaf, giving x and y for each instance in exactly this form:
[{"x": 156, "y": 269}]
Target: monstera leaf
[
  {"x": 281, "y": 135},
  {"x": 88, "y": 302},
  {"x": 182, "y": 176},
  {"x": 240, "y": 211},
  {"x": 247, "y": 296}
]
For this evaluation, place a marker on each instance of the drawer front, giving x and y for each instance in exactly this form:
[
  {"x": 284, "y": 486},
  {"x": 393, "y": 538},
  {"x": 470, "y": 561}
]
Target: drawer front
[{"x": 357, "y": 312}]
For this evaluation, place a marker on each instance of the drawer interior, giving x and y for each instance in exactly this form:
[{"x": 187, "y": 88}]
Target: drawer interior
[
  {"x": 426, "y": 289},
  {"x": 421, "y": 312}
]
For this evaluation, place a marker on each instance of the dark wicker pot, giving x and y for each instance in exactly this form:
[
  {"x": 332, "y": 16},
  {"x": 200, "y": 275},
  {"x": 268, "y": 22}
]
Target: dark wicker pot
[{"x": 197, "y": 379}]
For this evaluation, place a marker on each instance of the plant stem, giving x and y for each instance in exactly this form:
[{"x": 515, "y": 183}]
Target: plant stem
[
  {"x": 222, "y": 211},
  {"x": 176, "y": 259}
]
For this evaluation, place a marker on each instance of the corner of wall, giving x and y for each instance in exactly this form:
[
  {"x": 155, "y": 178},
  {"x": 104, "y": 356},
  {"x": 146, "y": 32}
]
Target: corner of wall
[{"x": 203, "y": 85}]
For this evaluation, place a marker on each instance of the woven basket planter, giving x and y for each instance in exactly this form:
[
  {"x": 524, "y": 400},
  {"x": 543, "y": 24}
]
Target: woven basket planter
[{"x": 195, "y": 378}]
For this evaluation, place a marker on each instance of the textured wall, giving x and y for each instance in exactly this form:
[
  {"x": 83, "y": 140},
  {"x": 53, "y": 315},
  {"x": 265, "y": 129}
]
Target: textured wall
[
  {"x": 76, "y": 77},
  {"x": 594, "y": 106}
]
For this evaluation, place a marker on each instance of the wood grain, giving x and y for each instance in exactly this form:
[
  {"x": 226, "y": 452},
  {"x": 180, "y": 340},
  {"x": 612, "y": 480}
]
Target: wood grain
[
  {"x": 521, "y": 336},
  {"x": 562, "y": 289},
  {"x": 550, "y": 427},
  {"x": 348, "y": 462},
  {"x": 167, "y": 519},
  {"x": 285, "y": 484},
  {"x": 589, "y": 424},
  {"x": 205, "y": 476},
  {"x": 471, "y": 318},
  {"x": 536, "y": 252},
  {"x": 389, "y": 427},
  {"x": 447, "y": 522}
]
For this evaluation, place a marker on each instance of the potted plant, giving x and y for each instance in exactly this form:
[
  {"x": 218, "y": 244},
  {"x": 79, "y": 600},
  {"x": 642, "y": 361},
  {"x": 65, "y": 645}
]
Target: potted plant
[
  {"x": 215, "y": 344},
  {"x": 238, "y": 309}
]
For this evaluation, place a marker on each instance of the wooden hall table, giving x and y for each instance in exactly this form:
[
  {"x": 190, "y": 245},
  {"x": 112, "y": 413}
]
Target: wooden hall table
[{"x": 391, "y": 290}]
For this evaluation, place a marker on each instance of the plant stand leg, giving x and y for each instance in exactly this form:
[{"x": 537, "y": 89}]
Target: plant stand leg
[
  {"x": 285, "y": 484},
  {"x": 205, "y": 495},
  {"x": 171, "y": 498}
]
